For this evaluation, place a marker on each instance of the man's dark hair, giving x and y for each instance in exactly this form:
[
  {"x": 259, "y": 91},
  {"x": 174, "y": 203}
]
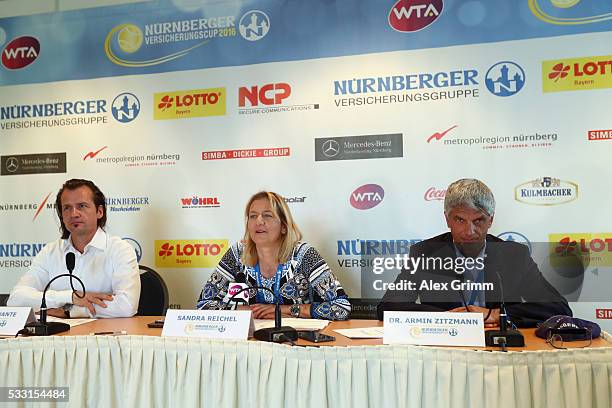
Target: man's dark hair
[{"x": 98, "y": 199}]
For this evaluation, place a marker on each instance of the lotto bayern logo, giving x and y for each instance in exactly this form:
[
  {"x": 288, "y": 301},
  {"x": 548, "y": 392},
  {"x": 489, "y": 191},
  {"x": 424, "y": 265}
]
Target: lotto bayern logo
[
  {"x": 505, "y": 78},
  {"x": 125, "y": 107}
]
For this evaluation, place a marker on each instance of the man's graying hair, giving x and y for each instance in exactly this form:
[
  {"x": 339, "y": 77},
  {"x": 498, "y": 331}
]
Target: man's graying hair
[{"x": 469, "y": 193}]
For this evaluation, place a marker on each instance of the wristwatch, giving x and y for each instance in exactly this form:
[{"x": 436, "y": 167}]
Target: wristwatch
[
  {"x": 67, "y": 307},
  {"x": 295, "y": 310}
]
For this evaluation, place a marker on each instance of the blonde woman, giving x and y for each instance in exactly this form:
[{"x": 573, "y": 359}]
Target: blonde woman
[{"x": 272, "y": 255}]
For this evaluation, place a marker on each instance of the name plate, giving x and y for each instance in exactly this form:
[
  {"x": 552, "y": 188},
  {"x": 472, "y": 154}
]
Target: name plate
[
  {"x": 211, "y": 324},
  {"x": 12, "y": 319},
  {"x": 434, "y": 328}
]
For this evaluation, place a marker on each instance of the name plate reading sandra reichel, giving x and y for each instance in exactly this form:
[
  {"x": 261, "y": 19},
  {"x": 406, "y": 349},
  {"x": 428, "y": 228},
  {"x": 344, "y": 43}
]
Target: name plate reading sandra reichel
[{"x": 212, "y": 324}]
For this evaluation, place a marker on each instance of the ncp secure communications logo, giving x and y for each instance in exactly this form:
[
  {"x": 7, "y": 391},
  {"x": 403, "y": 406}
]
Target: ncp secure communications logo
[
  {"x": 268, "y": 98},
  {"x": 189, "y": 104}
]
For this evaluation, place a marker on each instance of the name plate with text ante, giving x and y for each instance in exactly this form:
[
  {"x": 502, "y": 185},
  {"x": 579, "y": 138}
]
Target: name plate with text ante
[
  {"x": 434, "y": 328},
  {"x": 211, "y": 324},
  {"x": 12, "y": 319}
]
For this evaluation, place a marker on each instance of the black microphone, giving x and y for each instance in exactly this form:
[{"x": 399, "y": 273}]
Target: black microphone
[
  {"x": 234, "y": 287},
  {"x": 504, "y": 336},
  {"x": 42, "y": 327},
  {"x": 70, "y": 262},
  {"x": 462, "y": 277},
  {"x": 278, "y": 333}
]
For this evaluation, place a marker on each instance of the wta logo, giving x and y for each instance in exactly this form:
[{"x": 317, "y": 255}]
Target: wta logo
[
  {"x": 367, "y": 196},
  {"x": 413, "y": 15},
  {"x": 20, "y": 52}
]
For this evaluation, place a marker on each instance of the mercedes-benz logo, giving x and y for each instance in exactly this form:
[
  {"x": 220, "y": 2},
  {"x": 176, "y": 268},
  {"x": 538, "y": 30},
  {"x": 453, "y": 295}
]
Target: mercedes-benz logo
[
  {"x": 12, "y": 164},
  {"x": 331, "y": 148}
]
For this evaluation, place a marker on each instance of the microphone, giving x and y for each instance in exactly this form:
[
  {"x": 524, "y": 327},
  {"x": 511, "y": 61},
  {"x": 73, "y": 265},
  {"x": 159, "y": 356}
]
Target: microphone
[
  {"x": 233, "y": 291},
  {"x": 504, "y": 336},
  {"x": 70, "y": 261},
  {"x": 42, "y": 327},
  {"x": 278, "y": 333},
  {"x": 462, "y": 277}
]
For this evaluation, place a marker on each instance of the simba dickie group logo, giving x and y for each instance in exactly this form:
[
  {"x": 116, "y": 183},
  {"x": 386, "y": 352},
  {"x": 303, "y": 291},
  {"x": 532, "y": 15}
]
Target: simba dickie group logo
[
  {"x": 20, "y": 52},
  {"x": 575, "y": 74},
  {"x": 603, "y": 313},
  {"x": 600, "y": 134},
  {"x": 413, "y": 15},
  {"x": 189, "y": 253},
  {"x": 189, "y": 104},
  {"x": 247, "y": 153}
]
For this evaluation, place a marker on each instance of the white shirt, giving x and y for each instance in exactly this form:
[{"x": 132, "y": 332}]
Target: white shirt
[{"x": 108, "y": 265}]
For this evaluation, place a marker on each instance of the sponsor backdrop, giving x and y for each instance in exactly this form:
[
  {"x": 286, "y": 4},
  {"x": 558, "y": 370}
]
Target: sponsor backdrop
[{"x": 359, "y": 112}]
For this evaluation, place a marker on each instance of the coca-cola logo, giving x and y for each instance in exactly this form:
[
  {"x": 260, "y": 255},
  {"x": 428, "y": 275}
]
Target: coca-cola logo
[
  {"x": 367, "y": 196},
  {"x": 414, "y": 15},
  {"x": 20, "y": 52},
  {"x": 432, "y": 194}
]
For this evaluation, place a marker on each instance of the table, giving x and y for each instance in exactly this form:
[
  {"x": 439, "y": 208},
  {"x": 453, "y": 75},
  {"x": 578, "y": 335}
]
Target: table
[{"x": 143, "y": 369}]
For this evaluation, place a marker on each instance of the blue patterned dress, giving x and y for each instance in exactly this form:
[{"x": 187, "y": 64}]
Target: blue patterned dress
[{"x": 305, "y": 279}]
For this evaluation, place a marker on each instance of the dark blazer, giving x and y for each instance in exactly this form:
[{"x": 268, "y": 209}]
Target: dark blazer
[{"x": 529, "y": 298}]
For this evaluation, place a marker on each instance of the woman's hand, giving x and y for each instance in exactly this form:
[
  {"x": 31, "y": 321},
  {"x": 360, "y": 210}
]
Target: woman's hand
[{"x": 266, "y": 311}]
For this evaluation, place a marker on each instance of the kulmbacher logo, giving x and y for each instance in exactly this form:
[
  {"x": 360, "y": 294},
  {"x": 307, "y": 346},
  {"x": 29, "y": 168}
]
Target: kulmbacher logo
[{"x": 546, "y": 191}]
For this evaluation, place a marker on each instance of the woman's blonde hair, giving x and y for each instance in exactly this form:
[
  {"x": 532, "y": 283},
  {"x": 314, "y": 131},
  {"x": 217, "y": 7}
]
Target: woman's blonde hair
[{"x": 281, "y": 212}]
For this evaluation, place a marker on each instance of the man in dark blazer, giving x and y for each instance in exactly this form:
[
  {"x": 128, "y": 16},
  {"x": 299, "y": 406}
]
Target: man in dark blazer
[{"x": 468, "y": 270}]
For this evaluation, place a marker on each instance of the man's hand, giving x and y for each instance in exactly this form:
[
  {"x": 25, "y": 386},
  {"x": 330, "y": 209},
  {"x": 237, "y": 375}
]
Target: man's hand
[
  {"x": 266, "y": 311},
  {"x": 492, "y": 321},
  {"x": 90, "y": 299}
]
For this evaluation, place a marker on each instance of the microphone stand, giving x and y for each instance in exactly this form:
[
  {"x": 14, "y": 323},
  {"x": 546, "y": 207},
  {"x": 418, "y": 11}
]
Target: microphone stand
[
  {"x": 276, "y": 334},
  {"x": 504, "y": 336},
  {"x": 42, "y": 327}
]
